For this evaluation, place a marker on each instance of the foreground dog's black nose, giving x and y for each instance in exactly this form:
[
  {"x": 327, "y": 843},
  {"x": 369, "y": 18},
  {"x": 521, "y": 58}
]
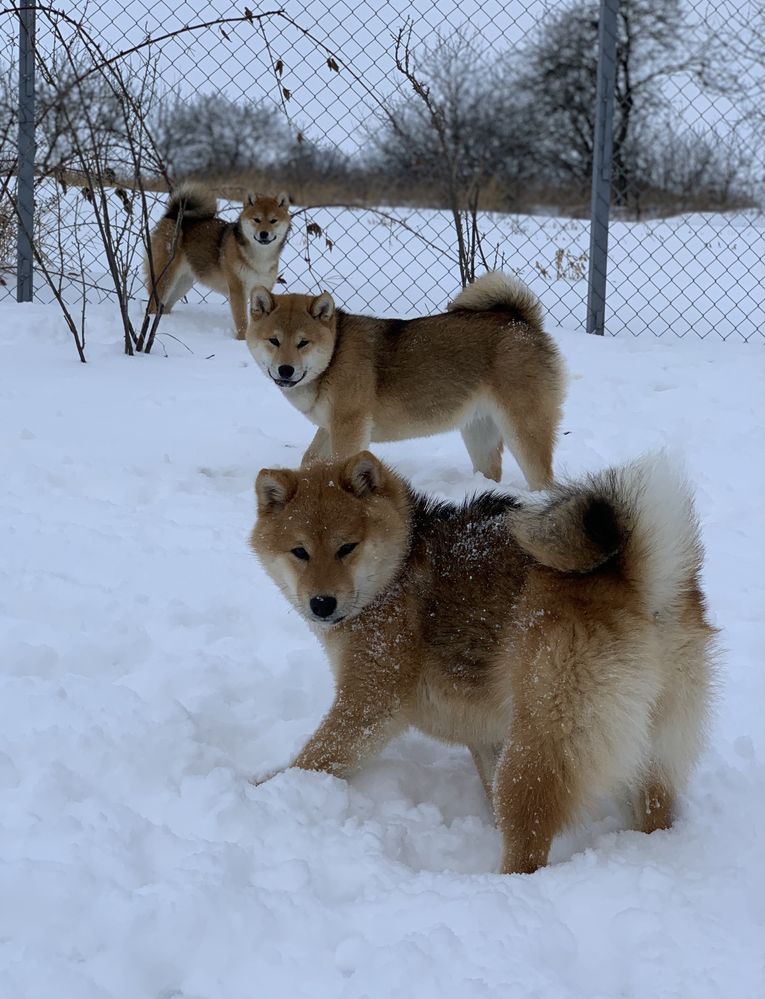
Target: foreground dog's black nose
[
  {"x": 323, "y": 606},
  {"x": 264, "y": 234},
  {"x": 286, "y": 371}
]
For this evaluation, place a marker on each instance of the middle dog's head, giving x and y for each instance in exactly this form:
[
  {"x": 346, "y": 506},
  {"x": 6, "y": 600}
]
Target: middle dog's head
[
  {"x": 332, "y": 535},
  {"x": 292, "y": 337}
]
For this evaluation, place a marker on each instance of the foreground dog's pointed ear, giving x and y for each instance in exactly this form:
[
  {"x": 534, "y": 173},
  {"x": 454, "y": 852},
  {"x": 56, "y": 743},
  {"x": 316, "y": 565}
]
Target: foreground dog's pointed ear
[
  {"x": 283, "y": 200},
  {"x": 274, "y": 488},
  {"x": 262, "y": 303},
  {"x": 362, "y": 475},
  {"x": 322, "y": 307},
  {"x": 249, "y": 199}
]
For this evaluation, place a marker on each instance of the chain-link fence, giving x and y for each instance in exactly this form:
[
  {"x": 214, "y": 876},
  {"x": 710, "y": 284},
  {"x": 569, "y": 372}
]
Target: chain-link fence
[{"x": 421, "y": 143}]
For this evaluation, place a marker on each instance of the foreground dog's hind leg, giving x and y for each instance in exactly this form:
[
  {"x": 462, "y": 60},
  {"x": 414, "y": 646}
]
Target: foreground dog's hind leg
[
  {"x": 678, "y": 720},
  {"x": 485, "y": 759},
  {"x": 484, "y": 445},
  {"x": 653, "y": 804},
  {"x": 534, "y": 798}
]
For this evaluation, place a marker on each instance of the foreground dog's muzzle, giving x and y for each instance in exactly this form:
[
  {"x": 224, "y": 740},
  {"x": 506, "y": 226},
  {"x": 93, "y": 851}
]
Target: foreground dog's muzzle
[
  {"x": 324, "y": 610},
  {"x": 265, "y": 240}
]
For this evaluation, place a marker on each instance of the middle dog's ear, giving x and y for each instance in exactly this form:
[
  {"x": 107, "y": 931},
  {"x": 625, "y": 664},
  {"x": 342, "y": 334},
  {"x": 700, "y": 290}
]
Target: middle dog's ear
[
  {"x": 322, "y": 307},
  {"x": 274, "y": 488},
  {"x": 249, "y": 199},
  {"x": 363, "y": 475},
  {"x": 262, "y": 303}
]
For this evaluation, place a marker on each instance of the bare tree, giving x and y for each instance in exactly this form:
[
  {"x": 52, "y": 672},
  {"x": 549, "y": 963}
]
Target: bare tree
[
  {"x": 212, "y": 134},
  {"x": 444, "y": 130},
  {"x": 560, "y": 78}
]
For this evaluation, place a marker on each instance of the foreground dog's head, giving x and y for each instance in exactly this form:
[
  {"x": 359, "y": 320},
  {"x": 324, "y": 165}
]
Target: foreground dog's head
[
  {"x": 265, "y": 220},
  {"x": 332, "y": 536},
  {"x": 292, "y": 337}
]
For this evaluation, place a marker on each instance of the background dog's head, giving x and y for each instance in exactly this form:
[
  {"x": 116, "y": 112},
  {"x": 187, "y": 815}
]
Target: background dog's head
[
  {"x": 333, "y": 535},
  {"x": 265, "y": 220},
  {"x": 292, "y": 337}
]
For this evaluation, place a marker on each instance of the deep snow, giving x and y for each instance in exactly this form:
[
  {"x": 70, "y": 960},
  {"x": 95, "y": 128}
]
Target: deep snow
[{"x": 150, "y": 668}]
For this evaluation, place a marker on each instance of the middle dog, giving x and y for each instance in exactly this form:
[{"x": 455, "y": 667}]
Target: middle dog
[{"x": 486, "y": 367}]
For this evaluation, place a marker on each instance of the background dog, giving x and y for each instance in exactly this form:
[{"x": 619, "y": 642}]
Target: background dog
[
  {"x": 191, "y": 244},
  {"x": 565, "y": 641},
  {"x": 486, "y": 367}
]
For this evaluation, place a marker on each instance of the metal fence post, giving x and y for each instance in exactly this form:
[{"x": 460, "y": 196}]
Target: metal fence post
[
  {"x": 25, "y": 173},
  {"x": 601, "y": 167}
]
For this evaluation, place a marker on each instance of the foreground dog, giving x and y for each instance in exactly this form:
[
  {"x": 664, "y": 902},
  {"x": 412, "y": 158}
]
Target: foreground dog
[
  {"x": 486, "y": 367},
  {"x": 190, "y": 243},
  {"x": 564, "y": 641}
]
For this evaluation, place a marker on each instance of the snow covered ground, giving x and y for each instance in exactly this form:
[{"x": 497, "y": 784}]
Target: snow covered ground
[{"x": 149, "y": 668}]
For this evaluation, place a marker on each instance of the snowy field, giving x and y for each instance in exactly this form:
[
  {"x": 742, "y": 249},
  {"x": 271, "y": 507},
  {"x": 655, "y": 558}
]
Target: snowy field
[
  {"x": 149, "y": 668},
  {"x": 697, "y": 275}
]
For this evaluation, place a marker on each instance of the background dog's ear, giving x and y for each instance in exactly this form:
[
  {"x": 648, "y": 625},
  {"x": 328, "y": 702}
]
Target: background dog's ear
[
  {"x": 322, "y": 307},
  {"x": 249, "y": 199},
  {"x": 283, "y": 201},
  {"x": 274, "y": 488},
  {"x": 262, "y": 303},
  {"x": 362, "y": 475}
]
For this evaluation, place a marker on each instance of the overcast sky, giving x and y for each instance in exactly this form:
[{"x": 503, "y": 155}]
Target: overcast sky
[{"x": 333, "y": 105}]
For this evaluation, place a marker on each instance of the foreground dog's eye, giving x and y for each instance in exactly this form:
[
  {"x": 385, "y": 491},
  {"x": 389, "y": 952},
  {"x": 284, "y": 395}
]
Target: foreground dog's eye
[
  {"x": 256, "y": 221},
  {"x": 274, "y": 221},
  {"x": 300, "y": 553},
  {"x": 344, "y": 550},
  {"x": 273, "y": 340},
  {"x": 303, "y": 343}
]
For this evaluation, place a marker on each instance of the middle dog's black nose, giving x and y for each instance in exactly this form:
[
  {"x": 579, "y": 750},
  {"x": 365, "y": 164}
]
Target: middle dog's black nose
[
  {"x": 286, "y": 371},
  {"x": 323, "y": 606}
]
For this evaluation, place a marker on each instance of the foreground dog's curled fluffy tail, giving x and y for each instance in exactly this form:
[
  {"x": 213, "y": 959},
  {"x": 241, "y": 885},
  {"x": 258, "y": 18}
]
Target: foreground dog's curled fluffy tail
[
  {"x": 641, "y": 515},
  {"x": 499, "y": 292},
  {"x": 191, "y": 202}
]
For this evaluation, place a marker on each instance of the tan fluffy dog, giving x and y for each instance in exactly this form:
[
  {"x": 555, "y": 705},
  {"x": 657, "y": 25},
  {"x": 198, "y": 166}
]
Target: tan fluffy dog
[
  {"x": 486, "y": 367},
  {"x": 190, "y": 243},
  {"x": 563, "y": 641}
]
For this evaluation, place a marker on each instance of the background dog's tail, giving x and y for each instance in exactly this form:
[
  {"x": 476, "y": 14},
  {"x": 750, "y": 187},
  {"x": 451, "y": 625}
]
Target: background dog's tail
[
  {"x": 191, "y": 201},
  {"x": 499, "y": 292},
  {"x": 641, "y": 516}
]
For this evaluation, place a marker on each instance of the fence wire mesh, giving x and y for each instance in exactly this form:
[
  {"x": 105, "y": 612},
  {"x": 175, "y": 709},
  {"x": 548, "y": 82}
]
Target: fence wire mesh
[{"x": 405, "y": 131}]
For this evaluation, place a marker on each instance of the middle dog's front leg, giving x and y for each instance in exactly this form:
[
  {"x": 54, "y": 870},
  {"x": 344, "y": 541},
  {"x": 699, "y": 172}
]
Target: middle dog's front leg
[
  {"x": 350, "y": 433},
  {"x": 318, "y": 449},
  {"x": 356, "y": 727}
]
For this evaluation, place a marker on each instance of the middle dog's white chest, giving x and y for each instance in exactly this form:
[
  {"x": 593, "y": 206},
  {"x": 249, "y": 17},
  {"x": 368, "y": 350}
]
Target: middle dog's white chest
[{"x": 309, "y": 401}]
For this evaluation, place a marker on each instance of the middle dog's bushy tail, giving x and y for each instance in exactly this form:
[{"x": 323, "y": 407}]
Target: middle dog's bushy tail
[
  {"x": 191, "y": 201},
  {"x": 500, "y": 292},
  {"x": 641, "y": 513}
]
